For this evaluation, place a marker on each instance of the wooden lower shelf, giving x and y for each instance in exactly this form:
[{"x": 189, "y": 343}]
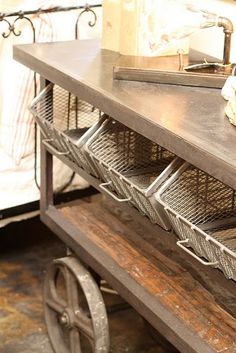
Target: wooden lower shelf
[{"x": 149, "y": 275}]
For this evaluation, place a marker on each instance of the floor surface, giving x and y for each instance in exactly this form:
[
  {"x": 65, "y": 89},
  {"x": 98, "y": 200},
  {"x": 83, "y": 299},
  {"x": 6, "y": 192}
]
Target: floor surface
[{"x": 26, "y": 249}]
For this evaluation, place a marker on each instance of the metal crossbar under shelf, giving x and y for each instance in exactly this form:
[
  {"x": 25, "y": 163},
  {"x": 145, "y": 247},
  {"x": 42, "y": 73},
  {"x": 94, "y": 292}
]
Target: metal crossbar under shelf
[
  {"x": 66, "y": 123},
  {"x": 133, "y": 166},
  {"x": 202, "y": 211}
]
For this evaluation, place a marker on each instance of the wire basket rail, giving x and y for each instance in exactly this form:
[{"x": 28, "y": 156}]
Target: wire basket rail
[
  {"x": 132, "y": 166},
  {"x": 202, "y": 211},
  {"x": 66, "y": 122}
]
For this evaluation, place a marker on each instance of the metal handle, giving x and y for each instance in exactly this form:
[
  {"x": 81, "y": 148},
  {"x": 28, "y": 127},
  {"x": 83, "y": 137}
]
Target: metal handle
[
  {"x": 205, "y": 263},
  {"x": 46, "y": 143},
  {"x": 103, "y": 187}
]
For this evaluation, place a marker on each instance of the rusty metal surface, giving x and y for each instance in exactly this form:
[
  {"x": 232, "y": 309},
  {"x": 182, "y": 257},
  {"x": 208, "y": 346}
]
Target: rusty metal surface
[{"x": 26, "y": 248}]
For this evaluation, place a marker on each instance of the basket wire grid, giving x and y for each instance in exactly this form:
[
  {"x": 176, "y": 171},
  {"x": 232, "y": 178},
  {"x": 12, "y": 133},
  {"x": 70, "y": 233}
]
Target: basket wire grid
[
  {"x": 130, "y": 153},
  {"x": 66, "y": 122},
  {"x": 133, "y": 165},
  {"x": 202, "y": 211},
  {"x": 226, "y": 237},
  {"x": 200, "y": 198}
]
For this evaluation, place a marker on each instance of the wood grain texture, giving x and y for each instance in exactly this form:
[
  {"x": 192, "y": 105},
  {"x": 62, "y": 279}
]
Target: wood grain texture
[{"x": 164, "y": 279}]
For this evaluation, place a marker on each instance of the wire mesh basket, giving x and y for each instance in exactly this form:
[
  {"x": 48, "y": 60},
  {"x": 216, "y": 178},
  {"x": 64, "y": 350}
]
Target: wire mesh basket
[
  {"x": 66, "y": 122},
  {"x": 132, "y": 167},
  {"x": 202, "y": 211}
]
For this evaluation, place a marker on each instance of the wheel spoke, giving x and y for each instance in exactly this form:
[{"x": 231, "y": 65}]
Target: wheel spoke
[
  {"x": 54, "y": 305},
  {"x": 75, "y": 346},
  {"x": 52, "y": 290},
  {"x": 71, "y": 290},
  {"x": 84, "y": 325}
]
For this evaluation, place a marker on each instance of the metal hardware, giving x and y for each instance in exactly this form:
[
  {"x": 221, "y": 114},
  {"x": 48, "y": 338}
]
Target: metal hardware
[
  {"x": 53, "y": 149},
  {"x": 233, "y": 73},
  {"x": 180, "y": 52},
  {"x": 228, "y": 30},
  {"x": 205, "y": 65},
  {"x": 24, "y": 15},
  {"x": 210, "y": 20},
  {"x": 87, "y": 8},
  {"x": 74, "y": 307},
  {"x": 103, "y": 187},
  {"x": 181, "y": 243}
]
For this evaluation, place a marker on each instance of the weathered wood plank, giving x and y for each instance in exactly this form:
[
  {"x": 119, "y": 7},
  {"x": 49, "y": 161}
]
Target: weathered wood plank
[{"x": 166, "y": 281}]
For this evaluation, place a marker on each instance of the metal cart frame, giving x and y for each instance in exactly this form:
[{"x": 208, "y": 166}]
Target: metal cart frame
[{"x": 170, "y": 292}]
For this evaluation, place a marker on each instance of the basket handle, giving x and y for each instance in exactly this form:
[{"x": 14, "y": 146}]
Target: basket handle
[
  {"x": 103, "y": 187},
  {"x": 46, "y": 143},
  {"x": 181, "y": 243}
]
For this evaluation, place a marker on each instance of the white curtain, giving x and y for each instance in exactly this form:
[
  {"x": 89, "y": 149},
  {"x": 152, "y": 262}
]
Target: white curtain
[{"x": 16, "y": 93}]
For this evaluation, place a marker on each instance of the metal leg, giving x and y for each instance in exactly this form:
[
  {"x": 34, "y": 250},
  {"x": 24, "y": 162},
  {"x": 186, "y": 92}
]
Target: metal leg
[
  {"x": 75, "y": 312},
  {"x": 46, "y": 170}
]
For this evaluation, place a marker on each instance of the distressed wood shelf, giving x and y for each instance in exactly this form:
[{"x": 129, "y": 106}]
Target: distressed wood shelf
[{"x": 150, "y": 274}]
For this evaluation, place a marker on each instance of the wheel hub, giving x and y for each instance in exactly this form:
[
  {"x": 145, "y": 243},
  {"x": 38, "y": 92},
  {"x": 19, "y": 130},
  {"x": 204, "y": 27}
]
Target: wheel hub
[{"x": 65, "y": 320}]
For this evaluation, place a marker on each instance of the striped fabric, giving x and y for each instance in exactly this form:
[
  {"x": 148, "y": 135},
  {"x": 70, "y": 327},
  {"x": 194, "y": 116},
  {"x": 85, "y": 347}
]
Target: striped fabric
[
  {"x": 17, "y": 184},
  {"x": 17, "y": 82},
  {"x": 17, "y": 89}
]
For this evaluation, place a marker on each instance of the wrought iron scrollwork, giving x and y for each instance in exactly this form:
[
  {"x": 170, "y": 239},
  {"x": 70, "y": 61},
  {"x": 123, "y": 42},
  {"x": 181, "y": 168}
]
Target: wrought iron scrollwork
[
  {"x": 26, "y": 16},
  {"x": 10, "y": 27},
  {"x": 87, "y": 8},
  {"x": 23, "y": 17}
]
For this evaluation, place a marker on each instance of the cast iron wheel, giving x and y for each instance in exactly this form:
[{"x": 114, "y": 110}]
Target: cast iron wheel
[{"x": 75, "y": 312}]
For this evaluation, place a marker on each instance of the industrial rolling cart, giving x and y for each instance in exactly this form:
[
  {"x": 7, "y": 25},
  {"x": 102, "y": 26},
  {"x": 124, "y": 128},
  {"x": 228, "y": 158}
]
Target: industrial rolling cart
[{"x": 190, "y": 303}]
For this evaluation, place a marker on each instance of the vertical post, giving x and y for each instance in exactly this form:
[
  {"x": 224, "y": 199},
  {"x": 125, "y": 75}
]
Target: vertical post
[{"x": 46, "y": 169}]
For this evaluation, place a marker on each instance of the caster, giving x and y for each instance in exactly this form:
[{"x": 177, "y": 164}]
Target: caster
[{"x": 75, "y": 312}]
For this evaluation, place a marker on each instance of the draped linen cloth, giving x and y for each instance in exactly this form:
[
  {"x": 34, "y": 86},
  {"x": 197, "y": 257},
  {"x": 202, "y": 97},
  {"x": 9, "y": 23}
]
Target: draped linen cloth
[
  {"x": 17, "y": 184},
  {"x": 17, "y": 87}
]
